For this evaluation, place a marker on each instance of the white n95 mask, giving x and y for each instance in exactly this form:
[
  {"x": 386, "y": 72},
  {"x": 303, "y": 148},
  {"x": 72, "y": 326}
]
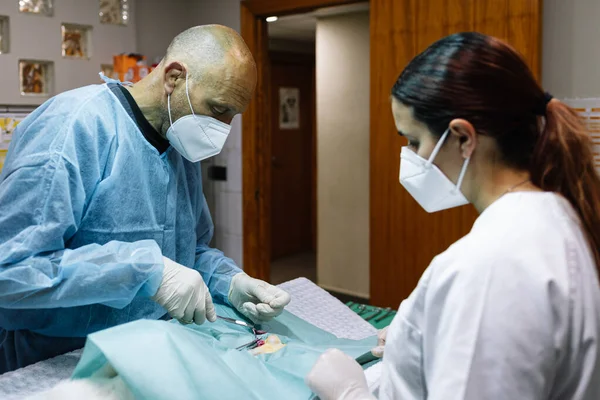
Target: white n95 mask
[
  {"x": 196, "y": 137},
  {"x": 427, "y": 184}
]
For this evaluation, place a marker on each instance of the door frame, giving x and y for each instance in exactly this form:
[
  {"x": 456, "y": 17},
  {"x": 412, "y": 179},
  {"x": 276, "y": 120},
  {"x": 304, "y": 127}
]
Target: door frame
[
  {"x": 386, "y": 265},
  {"x": 256, "y": 132}
]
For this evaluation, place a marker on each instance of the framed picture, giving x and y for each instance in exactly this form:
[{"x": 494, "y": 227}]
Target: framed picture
[
  {"x": 4, "y": 29},
  {"x": 8, "y": 123},
  {"x": 76, "y": 41},
  {"x": 36, "y": 77},
  {"x": 114, "y": 12},
  {"x": 2, "y": 158},
  {"x": 289, "y": 108},
  {"x": 42, "y": 7}
]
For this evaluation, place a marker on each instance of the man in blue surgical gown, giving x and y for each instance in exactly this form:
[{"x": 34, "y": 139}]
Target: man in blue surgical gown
[{"x": 102, "y": 216}]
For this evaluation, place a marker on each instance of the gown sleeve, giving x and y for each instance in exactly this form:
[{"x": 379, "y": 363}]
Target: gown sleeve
[
  {"x": 43, "y": 191},
  {"x": 216, "y": 269},
  {"x": 489, "y": 331}
]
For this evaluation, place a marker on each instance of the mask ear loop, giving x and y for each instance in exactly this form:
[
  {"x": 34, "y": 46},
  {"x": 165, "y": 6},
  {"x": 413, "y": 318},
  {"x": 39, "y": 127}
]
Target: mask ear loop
[
  {"x": 187, "y": 93},
  {"x": 435, "y": 152},
  {"x": 461, "y": 177},
  {"x": 437, "y": 147},
  {"x": 169, "y": 108}
]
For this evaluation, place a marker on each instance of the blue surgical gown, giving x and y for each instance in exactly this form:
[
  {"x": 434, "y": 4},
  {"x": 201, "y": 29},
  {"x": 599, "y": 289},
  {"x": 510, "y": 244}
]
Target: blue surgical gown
[{"x": 87, "y": 210}]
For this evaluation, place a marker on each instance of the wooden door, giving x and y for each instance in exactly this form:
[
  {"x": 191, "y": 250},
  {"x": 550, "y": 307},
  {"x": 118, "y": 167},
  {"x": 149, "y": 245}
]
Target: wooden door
[
  {"x": 291, "y": 153},
  {"x": 404, "y": 238}
]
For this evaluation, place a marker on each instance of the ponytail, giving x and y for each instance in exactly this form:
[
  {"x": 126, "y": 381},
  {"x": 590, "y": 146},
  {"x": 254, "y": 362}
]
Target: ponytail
[{"x": 563, "y": 162}]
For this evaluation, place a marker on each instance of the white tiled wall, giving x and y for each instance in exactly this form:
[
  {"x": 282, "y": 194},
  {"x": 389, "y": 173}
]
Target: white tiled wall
[
  {"x": 227, "y": 212},
  {"x": 227, "y": 209}
]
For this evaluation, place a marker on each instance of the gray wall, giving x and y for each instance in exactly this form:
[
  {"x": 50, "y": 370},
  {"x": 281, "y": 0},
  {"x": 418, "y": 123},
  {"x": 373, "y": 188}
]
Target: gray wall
[
  {"x": 38, "y": 37},
  {"x": 343, "y": 78},
  {"x": 158, "y": 22},
  {"x": 570, "y": 58}
]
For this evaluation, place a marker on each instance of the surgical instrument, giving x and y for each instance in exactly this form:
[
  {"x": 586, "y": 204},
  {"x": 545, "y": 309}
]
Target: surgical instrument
[
  {"x": 376, "y": 313},
  {"x": 366, "y": 358},
  {"x": 254, "y": 329},
  {"x": 249, "y": 345},
  {"x": 387, "y": 312},
  {"x": 236, "y": 322}
]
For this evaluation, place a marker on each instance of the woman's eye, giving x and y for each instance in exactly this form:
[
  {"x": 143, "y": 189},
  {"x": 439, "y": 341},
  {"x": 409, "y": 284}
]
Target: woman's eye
[{"x": 413, "y": 145}]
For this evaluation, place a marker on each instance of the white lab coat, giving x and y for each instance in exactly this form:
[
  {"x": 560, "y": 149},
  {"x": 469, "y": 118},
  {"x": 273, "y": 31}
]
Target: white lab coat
[{"x": 509, "y": 312}]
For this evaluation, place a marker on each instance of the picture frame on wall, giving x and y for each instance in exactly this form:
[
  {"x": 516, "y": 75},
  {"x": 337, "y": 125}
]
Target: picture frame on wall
[
  {"x": 76, "y": 41},
  {"x": 289, "y": 108},
  {"x": 114, "y": 12},
  {"x": 41, "y": 7},
  {"x": 36, "y": 77},
  {"x": 8, "y": 123}
]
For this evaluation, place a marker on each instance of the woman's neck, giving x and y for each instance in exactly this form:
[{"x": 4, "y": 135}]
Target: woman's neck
[{"x": 496, "y": 184}]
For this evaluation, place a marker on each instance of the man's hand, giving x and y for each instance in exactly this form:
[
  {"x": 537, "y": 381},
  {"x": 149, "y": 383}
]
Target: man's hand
[
  {"x": 184, "y": 294},
  {"x": 257, "y": 299}
]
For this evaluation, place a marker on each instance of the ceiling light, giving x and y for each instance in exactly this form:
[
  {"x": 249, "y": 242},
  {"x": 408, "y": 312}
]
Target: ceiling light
[{"x": 272, "y": 19}]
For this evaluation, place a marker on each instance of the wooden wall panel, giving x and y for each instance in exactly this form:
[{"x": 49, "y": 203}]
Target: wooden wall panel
[
  {"x": 256, "y": 148},
  {"x": 404, "y": 238},
  {"x": 524, "y": 23},
  {"x": 460, "y": 16},
  {"x": 490, "y": 17}
]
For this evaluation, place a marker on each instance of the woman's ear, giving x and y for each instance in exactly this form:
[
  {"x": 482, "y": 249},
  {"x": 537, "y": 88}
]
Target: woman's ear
[{"x": 465, "y": 133}]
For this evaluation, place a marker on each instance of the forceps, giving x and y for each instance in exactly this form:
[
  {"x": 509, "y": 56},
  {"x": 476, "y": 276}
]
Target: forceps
[
  {"x": 244, "y": 324},
  {"x": 257, "y": 332}
]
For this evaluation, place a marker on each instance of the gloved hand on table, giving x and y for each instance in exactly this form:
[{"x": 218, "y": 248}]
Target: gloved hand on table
[
  {"x": 256, "y": 299},
  {"x": 184, "y": 294},
  {"x": 381, "y": 336},
  {"x": 337, "y": 376}
]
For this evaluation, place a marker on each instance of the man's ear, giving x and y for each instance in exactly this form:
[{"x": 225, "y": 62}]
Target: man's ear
[{"x": 172, "y": 72}]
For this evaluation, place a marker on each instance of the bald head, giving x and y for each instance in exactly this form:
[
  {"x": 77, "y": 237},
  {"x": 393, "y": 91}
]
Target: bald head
[
  {"x": 208, "y": 70},
  {"x": 209, "y": 47}
]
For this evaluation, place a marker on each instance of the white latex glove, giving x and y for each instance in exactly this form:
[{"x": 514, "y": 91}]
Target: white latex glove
[
  {"x": 337, "y": 376},
  {"x": 381, "y": 336},
  {"x": 256, "y": 299},
  {"x": 184, "y": 294}
]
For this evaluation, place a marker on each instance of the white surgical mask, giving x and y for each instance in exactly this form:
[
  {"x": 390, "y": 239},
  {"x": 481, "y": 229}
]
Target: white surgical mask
[
  {"x": 427, "y": 184},
  {"x": 196, "y": 137}
]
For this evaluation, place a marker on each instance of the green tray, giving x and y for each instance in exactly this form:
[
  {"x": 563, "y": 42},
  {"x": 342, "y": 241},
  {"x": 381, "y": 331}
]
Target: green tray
[{"x": 373, "y": 315}]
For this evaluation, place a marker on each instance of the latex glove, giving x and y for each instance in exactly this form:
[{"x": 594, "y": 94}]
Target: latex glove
[
  {"x": 184, "y": 294},
  {"x": 256, "y": 299},
  {"x": 337, "y": 376},
  {"x": 381, "y": 336}
]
